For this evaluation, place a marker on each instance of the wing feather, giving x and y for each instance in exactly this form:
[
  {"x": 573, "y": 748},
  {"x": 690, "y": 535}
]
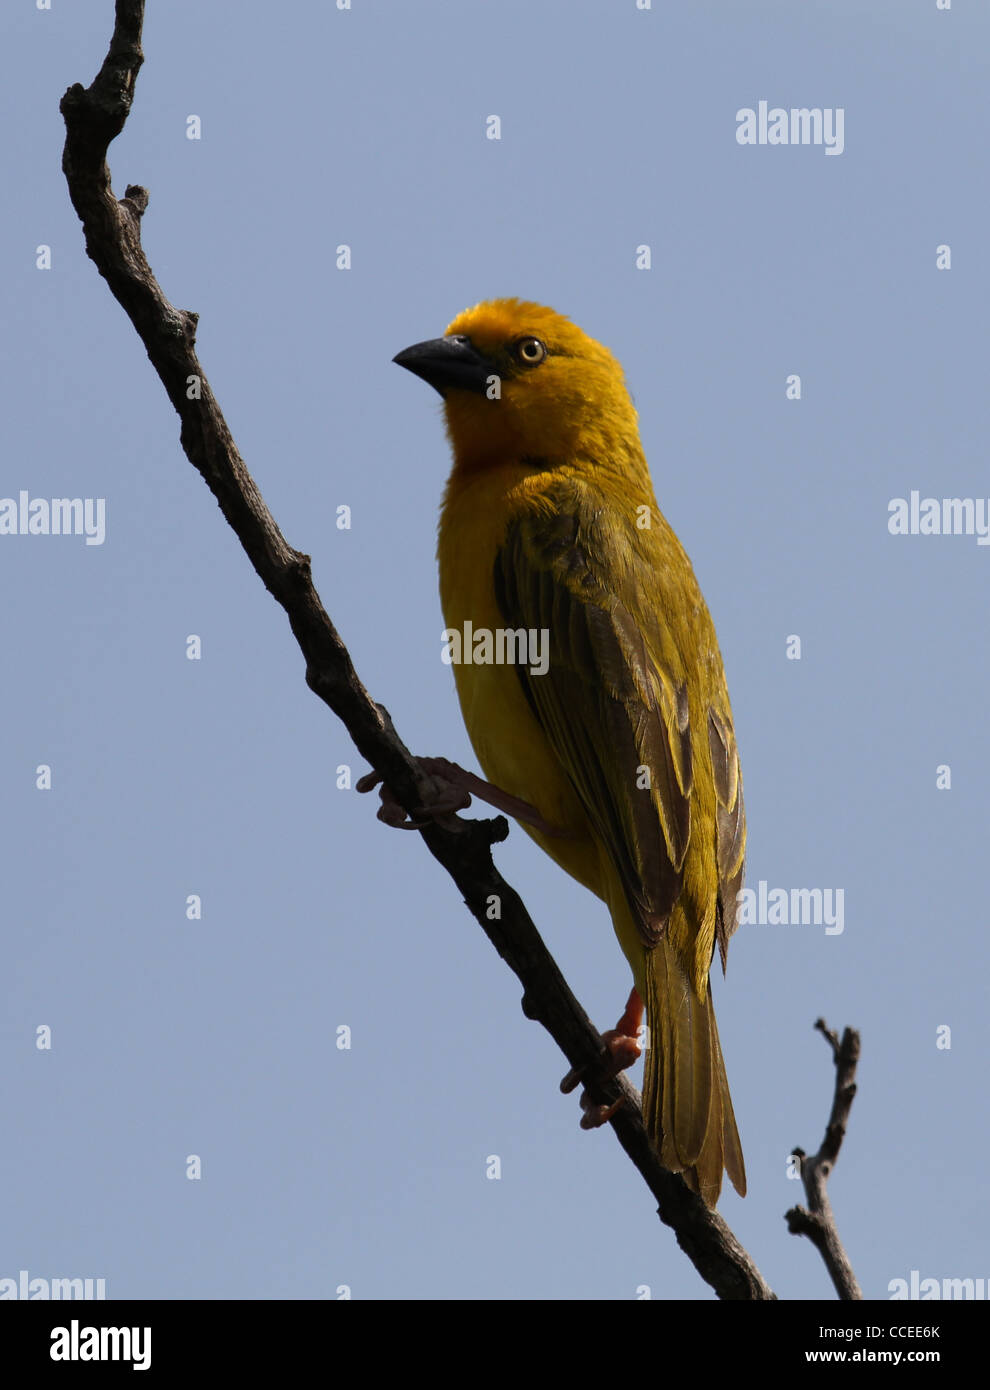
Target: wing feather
[{"x": 616, "y": 716}]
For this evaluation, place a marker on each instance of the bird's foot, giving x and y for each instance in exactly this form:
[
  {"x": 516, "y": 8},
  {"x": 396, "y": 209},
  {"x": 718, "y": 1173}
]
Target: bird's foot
[
  {"x": 457, "y": 787},
  {"x": 450, "y": 797},
  {"x": 623, "y": 1049}
]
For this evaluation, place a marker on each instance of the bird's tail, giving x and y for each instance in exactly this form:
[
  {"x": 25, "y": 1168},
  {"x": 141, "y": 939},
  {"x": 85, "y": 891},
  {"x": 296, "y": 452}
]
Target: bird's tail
[{"x": 686, "y": 1102}]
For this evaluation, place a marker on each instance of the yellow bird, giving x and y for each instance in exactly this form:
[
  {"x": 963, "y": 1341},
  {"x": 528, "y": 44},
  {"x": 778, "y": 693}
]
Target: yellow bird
[{"x": 606, "y": 725}]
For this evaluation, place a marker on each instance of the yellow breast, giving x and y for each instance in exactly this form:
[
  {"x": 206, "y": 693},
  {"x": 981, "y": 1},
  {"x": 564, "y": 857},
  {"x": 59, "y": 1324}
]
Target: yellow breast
[{"x": 510, "y": 745}]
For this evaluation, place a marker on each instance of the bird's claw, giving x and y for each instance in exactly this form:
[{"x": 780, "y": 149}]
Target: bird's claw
[
  {"x": 623, "y": 1051},
  {"x": 450, "y": 799},
  {"x": 597, "y": 1115}
]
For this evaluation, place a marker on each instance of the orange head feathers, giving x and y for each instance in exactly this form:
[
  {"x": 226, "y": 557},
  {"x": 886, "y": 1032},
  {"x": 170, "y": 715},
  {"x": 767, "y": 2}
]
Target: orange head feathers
[{"x": 519, "y": 379}]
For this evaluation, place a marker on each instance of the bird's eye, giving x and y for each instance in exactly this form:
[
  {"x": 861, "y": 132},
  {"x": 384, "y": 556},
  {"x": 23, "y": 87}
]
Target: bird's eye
[{"x": 529, "y": 351}]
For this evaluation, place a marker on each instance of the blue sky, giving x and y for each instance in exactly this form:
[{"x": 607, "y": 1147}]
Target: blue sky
[{"x": 366, "y": 1167}]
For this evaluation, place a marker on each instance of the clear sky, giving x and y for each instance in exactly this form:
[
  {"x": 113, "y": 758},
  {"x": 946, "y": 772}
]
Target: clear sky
[{"x": 367, "y": 1167}]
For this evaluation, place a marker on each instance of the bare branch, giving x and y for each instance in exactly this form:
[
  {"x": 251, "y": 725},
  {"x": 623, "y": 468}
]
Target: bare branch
[
  {"x": 817, "y": 1221},
  {"x": 93, "y": 117}
]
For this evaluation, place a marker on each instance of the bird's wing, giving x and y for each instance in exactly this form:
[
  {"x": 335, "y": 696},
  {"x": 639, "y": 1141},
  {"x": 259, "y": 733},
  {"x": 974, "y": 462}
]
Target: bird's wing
[
  {"x": 614, "y": 699},
  {"x": 730, "y": 820}
]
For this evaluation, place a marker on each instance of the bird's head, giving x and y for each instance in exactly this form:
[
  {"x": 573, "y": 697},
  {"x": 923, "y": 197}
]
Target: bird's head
[{"x": 520, "y": 381}]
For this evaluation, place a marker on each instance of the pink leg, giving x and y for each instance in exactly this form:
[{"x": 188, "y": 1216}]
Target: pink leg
[
  {"x": 459, "y": 786},
  {"x": 623, "y": 1048}
]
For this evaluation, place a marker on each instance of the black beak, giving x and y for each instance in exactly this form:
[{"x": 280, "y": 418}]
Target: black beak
[{"x": 448, "y": 364}]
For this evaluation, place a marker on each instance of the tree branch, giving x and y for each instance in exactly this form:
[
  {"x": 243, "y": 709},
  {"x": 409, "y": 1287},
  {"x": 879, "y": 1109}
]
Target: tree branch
[
  {"x": 93, "y": 117},
  {"x": 818, "y": 1223}
]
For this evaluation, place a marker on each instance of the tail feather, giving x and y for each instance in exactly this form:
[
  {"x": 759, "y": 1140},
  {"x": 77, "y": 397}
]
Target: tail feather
[
  {"x": 731, "y": 1147},
  {"x": 686, "y": 1102}
]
